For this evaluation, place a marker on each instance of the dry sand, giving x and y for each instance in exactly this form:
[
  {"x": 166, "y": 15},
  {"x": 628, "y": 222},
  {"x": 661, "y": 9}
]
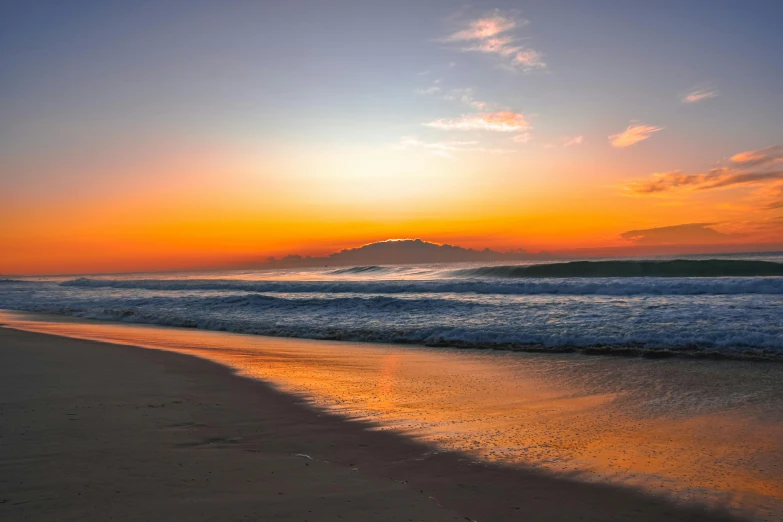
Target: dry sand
[{"x": 96, "y": 431}]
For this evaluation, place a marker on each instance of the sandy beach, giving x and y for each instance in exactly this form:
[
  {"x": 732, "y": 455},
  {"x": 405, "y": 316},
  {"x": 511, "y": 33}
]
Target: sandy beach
[{"x": 96, "y": 431}]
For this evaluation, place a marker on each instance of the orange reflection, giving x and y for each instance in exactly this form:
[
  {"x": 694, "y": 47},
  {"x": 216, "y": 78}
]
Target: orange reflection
[{"x": 696, "y": 430}]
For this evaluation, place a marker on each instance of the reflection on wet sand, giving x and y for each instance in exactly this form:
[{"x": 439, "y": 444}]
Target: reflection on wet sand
[{"x": 697, "y": 430}]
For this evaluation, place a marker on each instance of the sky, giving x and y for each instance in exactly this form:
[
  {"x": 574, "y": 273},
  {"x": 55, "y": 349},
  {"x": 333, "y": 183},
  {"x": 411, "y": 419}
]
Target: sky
[{"x": 154, "y": 135}]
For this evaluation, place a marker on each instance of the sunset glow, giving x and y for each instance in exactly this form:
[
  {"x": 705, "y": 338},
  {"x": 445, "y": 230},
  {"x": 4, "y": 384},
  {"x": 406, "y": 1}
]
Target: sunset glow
[{"x": 223, "y": 134}]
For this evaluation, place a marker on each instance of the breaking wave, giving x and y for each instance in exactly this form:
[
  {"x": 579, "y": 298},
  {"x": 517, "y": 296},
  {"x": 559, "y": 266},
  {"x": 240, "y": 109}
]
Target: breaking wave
[
  {"x": 358, "y": 270},
  {"x": 448, "y": 323},
  {"x": 542, "y": 286},
  {"x": 557, "y": 308},
  {"x": 674, "y": 268}
]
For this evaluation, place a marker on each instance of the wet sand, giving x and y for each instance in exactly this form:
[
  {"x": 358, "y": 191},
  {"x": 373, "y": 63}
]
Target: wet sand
[{"x": 96, "y": 431}]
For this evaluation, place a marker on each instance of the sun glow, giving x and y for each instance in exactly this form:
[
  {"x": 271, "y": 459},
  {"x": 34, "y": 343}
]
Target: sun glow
[{"x": 490, "y": 137}]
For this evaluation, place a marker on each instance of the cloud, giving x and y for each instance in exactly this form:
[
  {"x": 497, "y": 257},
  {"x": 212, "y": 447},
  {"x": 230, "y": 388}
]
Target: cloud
[
  {"x": 487, "y": 27},
  {"x": 466, "y": 96},
  {"x": 437, "y": 145},
  {"x": 634, "y": 133},
  {"x": 527, "y": 60},
  {"x": 442, "y": 149},
  {"x": 490, "y": 35},
  {"x": 719, "y": 178},
  {"x": 773, "y": 196},
  {"x": 433, "y": 89},
  {"x": 500, "y": 45},
  {"x": 764, "y": 230},
  {"x": 736, "y": 173},
  {"x": 447, "y": 149},
  {"x": 755, "y": 168},
  {"x": 525, "y": 137},
  {"x": 761, "y": 157},
  {"x": 698, "y": 95},
  {"x": 690, "y": 233},
  {"x": 502, "y": 121},
  {"x": 665, "y": 181},
  {"x": 563, "y": 141},
  {"x": 715, "y": 178}
]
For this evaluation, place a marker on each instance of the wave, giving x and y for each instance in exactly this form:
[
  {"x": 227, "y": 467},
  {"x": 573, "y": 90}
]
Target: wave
[
  {"x": 652, "y": 344},
  {"x": 243, "y": 303},
  {"x": 359, "y": 270},
  {"x": 674, "y": 268},
  {"x": 537, "y": 286},
  {"x": 651, "y": 317},
  {"x": 257, "y": 302}
]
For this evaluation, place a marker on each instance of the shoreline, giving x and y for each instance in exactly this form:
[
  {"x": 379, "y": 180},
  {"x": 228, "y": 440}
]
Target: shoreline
[{"x": 244, "y": 423}]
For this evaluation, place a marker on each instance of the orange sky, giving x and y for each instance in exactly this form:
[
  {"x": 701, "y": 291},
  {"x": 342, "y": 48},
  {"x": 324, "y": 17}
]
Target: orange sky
[
  {"x": 181, "y": 148},
  {"x": 203, "y": 208}
]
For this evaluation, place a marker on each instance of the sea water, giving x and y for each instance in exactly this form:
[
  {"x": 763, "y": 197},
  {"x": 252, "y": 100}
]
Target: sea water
[{"x": 460, "y": 305}]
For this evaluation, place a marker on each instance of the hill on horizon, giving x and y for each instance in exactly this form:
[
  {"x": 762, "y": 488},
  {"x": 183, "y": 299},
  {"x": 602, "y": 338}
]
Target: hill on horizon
[{"x": 401, "y": 252}]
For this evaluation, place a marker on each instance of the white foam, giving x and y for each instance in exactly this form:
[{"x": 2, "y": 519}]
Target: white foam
[
  {"x": 567, "y": 286},
  {"x": 552, "y": 314}
]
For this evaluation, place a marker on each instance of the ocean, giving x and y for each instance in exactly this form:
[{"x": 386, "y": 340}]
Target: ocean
[{"x": 708, "y": 306}]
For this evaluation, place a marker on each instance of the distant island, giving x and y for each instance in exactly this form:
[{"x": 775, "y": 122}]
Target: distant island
[
  {"x": 403, "y": 251},
  {"x": 418, "y": 251}
]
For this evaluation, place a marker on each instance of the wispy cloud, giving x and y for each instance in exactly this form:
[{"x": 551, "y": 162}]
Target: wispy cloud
[
  {"x": 487, "y": 27},
  {"x": 491, "y": 34},
  {"x": 760, "y": 168},
  {"x": 447, "y": 149},
  {"x": 667, "y": 182},
  {"x": 634, "y": 133},
  {"x": 432, "y": 89},
  {"x": 715, "y": 178},
  {"x": 690, "y": 233},
  {"x": 527, "y": 60},
  {"x": 500, "y": 45},
  {"x": 772, "y": 196},
  {"x": 697, "y": 95},
  {"x": 563, "y": 141},
  {"x": 525, "y": 137},
  {"x": 761, "y": 157},
  {"x": 502, "y": 121},
  {"x": 466, "y": 96},
  {"x": 440, "y": 148},
  {"x": 764, "y": 230}
]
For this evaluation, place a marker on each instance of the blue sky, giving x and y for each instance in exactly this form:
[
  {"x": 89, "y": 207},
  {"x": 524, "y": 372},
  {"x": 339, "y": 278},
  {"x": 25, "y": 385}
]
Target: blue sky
[{"x": 293, "y": 68}]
